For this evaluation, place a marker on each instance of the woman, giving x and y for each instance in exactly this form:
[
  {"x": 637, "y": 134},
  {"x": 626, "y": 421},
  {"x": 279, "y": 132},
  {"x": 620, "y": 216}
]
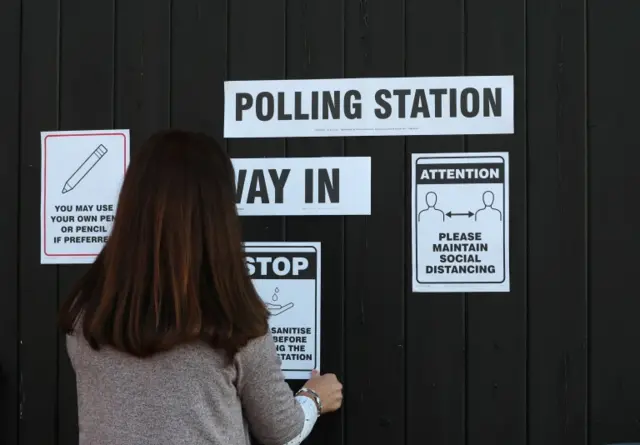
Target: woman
[{"x": 167, "y": 336}]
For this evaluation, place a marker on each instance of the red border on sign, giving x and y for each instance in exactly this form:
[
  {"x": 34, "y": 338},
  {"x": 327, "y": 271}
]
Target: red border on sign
[{"x": 44, "y": 209}]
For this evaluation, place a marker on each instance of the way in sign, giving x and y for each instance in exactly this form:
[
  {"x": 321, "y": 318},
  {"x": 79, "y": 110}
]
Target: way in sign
[
  {"x": 303, "y": 186},
  {"x": 320, "y": 185}
]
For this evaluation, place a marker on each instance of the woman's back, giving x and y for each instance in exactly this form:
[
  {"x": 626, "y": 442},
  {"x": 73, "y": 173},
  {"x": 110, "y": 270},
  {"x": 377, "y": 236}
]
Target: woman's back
[
  {"x": 188, "y": 395},
  {"x": 167, "y": 335}
]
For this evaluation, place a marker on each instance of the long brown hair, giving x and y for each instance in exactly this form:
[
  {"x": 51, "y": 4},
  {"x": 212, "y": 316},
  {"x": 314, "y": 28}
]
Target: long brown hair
[{"x": 173, "y": 269}]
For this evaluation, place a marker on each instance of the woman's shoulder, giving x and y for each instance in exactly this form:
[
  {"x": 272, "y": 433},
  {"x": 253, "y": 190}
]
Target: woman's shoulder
[{"x": 256, "y": 350}]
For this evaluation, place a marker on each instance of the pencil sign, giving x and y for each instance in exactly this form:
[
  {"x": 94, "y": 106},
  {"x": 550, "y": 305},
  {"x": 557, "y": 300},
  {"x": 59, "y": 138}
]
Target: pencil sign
[
  {"x": 287, "y": 278},
  {"x": 82, "y": 172}
]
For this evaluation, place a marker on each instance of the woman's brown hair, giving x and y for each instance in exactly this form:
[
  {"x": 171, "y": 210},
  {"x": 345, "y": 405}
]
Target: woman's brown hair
[{"x": 173, "y": 269}]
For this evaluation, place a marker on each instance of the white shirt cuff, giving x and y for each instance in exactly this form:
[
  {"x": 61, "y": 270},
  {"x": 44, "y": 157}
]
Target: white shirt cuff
[{"x": 310, "y": 416}]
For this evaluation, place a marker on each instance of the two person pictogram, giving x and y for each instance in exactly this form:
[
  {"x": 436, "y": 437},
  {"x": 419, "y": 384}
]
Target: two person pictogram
[{"x": 486, "y": 212}]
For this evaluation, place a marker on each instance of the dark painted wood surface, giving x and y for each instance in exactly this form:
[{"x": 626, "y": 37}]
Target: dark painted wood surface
[
  {"x": 9, "y": 219},
  {"x": 553, "y": 362}
]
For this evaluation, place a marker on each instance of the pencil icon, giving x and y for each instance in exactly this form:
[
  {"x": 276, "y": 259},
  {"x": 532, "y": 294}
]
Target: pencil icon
[{"x": 84, "y": 168}]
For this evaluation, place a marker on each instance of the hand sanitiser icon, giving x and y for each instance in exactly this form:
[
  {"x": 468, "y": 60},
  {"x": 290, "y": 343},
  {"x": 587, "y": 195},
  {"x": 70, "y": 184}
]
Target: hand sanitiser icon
[
  {"x": 82, "y": 171},
  {"x": 277, "y": 309}
]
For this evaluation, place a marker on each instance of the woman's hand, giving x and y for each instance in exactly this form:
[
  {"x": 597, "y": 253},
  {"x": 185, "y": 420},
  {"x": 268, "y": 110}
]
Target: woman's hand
[{"x": 328, "y": 388}]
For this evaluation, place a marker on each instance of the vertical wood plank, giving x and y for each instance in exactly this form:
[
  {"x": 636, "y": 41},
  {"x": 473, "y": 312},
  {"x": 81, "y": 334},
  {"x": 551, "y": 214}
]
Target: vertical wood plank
[
  {"x": 86, "y": 103},
  {"x": 557, "y": 365},
  {"x": 198, "y": 65},
  {"x": 375, "y": 254},
  {"x": 142, "y": 77},
  {"x": 614, "y": 39},
  {"x": 256, "y": 51},
  {"x": 38, "y": 284},
  {"x": 10, "y": 16},
  {"x": 315, "y": 51},
  {"x": 435, "y": 322},
  {"x": 497, "y": 322}
]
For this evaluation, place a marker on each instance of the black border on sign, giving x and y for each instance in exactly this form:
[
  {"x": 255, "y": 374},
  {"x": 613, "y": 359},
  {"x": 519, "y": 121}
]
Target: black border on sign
[
  {"x": 317, "y": 290},
  {"x": 415, "y": 222}
]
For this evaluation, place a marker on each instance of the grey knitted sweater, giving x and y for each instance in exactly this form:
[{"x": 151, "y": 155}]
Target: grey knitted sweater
[{"x": 185, "y": 396}]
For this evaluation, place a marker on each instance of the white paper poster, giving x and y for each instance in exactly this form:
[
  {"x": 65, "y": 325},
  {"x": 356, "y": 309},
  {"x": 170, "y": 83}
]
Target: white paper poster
[
  {"x": 82, "y": 172},
  {"x": 287, "y": 277},
  {"x": 460, "y": 222},
  {"x": 388, "y": 106},
  {"x": 303, "y": 186}
]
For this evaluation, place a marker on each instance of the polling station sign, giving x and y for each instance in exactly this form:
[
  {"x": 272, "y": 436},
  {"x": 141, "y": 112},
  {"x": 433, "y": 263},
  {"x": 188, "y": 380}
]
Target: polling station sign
[
  {"x": 286, "y": 275},
  {"x": 460, "y": 222},
  {"x": 303, "y": 186},
  {"x": 400, "y": 106},
  {"x": 82, "y": 172}
]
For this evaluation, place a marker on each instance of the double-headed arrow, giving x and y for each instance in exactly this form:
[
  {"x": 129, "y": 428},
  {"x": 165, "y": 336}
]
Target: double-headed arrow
[{"x": 469, "y": 214}]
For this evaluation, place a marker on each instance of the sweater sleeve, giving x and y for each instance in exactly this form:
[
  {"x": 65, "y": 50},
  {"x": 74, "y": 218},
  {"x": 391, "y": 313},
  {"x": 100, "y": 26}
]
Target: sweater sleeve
[{"x": 274, "y": 415}]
